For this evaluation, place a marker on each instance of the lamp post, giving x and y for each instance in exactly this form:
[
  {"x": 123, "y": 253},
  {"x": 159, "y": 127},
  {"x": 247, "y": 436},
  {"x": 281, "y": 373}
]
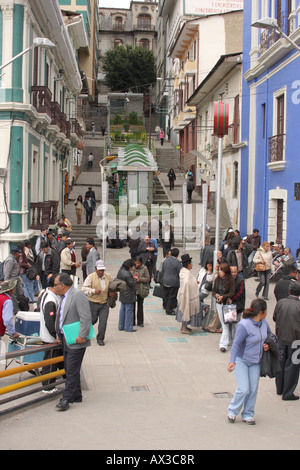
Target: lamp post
[
  {"x": 104, "y": 203},
  {"x": 37, "y": 42},
  {"x": 271, "y": 23}
]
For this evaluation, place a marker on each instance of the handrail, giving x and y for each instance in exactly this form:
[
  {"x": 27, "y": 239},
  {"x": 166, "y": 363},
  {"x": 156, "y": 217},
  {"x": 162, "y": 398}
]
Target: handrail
[{"x": 26, "y": 383}]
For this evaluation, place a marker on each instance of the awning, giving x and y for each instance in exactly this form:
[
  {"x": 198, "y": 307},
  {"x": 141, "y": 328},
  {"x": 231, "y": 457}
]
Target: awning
[{"x": 134, "y": 157}]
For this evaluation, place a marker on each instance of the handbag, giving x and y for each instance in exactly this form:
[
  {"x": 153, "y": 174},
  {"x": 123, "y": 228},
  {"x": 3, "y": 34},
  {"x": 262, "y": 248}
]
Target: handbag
[
  {"x": 157, "y": 277},
  {"x": 261, "y": 265},
  {"x": 159, "y": 291},
  {"x": 143, "y": 290},
  {"x": 229, "y": 314},
  {"x": 31, "y": 273}
]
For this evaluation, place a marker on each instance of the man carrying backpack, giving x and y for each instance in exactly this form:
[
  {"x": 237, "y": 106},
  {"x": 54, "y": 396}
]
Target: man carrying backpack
[{"x": 190, "y": 188}]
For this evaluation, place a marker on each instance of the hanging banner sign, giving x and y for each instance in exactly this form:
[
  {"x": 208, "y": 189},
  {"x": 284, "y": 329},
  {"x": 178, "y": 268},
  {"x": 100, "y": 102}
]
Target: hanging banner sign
[
  {"x": 66, "y": 185},
  {"x": 221, "y": 117}
]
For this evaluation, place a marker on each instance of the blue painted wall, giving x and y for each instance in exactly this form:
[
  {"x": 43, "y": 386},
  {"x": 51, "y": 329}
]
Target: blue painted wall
[{"x": 266, "y": 179}]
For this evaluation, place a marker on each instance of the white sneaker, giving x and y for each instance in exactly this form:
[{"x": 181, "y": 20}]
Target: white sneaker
[
  {"x": 250, "y": 421},
  {"x": 231, "y": 418},
  {"x": 51, "y": 390}
]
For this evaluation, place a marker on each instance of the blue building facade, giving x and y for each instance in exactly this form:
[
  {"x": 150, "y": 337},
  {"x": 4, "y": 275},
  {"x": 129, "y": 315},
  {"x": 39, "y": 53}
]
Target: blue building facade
[{"x": 270, "y": 168}]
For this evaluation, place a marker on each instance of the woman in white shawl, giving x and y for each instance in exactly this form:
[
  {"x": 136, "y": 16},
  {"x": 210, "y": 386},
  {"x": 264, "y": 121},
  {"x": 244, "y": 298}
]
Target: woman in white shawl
[{"x": 188, "y": 302}]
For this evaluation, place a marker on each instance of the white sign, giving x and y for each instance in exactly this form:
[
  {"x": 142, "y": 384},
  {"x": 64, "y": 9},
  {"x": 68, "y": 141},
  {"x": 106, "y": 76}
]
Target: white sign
[{"x": 211, "y": 7}]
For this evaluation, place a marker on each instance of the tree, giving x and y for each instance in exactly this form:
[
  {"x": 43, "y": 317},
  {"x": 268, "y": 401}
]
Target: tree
[{"x": 129, "y": 69}]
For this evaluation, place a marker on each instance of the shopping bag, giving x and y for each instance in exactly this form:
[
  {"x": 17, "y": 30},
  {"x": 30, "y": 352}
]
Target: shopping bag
[{"x": 229, "y": 313}]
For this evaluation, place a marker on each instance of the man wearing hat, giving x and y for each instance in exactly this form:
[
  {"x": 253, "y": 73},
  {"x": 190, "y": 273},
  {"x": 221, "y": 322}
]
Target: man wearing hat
[
  {"x": 95, "y": 287},
  {"x": 11, "y": 272},
  {"x": 7, "y": 290}
]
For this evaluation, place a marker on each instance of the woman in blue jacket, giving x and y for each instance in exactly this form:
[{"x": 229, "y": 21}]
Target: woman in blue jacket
[{"x": 245, "y": 360}]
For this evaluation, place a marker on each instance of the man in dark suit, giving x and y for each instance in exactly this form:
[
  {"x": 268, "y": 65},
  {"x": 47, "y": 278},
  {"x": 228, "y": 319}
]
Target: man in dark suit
[
  {"x": 170, "y": 280},
  {"x": 282, "y": 288},
  {"x": 74, "y": 307},
  {"x": 146, "y": 250},
  {"x": 287, "y": 318}
]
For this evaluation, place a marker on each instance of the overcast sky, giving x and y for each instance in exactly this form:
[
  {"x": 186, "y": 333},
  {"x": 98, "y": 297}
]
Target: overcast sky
[{"x": 114, "y": 3}]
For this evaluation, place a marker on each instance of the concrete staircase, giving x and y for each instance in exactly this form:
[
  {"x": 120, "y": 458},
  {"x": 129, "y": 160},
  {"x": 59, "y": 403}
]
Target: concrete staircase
[{"x": 166, "y": 157}]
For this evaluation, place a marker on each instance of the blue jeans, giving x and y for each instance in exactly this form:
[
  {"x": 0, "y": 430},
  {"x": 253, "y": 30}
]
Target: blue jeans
[
  {"x": 247, "y": 376},
  {"x": 28, "y": 287},
  {"x": 126, "y": 317}
]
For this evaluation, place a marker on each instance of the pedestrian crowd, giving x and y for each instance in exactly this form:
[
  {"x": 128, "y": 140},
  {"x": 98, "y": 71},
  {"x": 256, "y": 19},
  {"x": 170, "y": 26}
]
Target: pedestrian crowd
[{"x": 49, "y": 270}]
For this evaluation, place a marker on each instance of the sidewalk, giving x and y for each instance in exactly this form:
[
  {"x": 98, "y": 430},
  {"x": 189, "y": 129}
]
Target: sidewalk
[{"x": 156, "y": 389}]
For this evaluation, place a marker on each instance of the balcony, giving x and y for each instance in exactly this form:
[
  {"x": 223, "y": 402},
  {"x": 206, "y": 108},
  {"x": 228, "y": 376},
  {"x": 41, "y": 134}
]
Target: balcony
[
  {"x": 55, "y": 114},
  {"x": 75, "y": 127},
  {"x": 276, "y": 152},
  {"x": 41, "y": 99},
  {"x": 143, "y": 27},
  {"x": 43, "y": 214},
  {"x": 269, "y": 37}
]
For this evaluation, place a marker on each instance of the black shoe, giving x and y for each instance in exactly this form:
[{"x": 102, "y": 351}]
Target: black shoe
[
  {"x": 101, "y": 342},
  {"x": 63, "y": 405},
  {"x": 141, "y": 325},
  {"x": 292, "y": 397}
]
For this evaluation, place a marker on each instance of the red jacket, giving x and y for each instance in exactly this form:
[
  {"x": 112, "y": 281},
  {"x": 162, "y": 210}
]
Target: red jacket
[{"x": 3, "y": 298}]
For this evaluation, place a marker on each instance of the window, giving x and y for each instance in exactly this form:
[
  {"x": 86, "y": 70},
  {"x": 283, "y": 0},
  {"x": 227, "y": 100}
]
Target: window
[
  {"x": 279, "y": 221},
  {"x": 277, "y": 141},
  {"x": 145, "y": 44},
  {"x": 118, "y": 23},
  {"x": 235, "y": 179},
  {"x": 144, "y": 21},
  {"x": 280, "y": 115},
  {"x": 117, "y": 43},
  {"x": 236, "y": 119},
  {"x": 264, "y": 120}
]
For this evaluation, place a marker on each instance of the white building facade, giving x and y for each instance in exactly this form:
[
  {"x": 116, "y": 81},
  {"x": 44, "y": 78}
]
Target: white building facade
[{"x": 38, "y": 122}]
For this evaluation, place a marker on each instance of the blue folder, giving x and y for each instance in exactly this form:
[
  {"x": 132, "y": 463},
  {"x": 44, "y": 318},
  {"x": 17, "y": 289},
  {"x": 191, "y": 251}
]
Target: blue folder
[{"x": 71, "y": 332}]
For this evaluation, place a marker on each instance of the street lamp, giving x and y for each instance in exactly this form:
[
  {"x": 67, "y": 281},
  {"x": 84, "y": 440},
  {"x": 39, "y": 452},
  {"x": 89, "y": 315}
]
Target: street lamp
[
  {"x": 271, "y": 23},
  {"x": 37, "y": 42}
]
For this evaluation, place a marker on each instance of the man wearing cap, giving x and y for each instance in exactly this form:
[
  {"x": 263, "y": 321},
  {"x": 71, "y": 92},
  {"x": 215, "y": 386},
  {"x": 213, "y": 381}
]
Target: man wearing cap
[
  {"x": 68, "y": 263},
  {"x": 62, "y": 242},
  {"x": 95, "y": 287},
  {"x": 11, "y": 272},
  {"x": 90, "y": 193},
  {"x": 7, "y": 290}
]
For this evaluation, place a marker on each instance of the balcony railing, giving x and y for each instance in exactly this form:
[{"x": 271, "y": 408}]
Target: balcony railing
[
  {"x": 55, "y": 114},
  {"x": 41, "y": 99},
  {"x": 270, "y": 37},
  {"x": 43, "y": 214},
  {"x": 143, "y": 27},
  {"x": 276, "y": 148}
]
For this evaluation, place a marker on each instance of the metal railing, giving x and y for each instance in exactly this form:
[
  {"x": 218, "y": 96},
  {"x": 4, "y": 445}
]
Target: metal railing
[
  {"x": 35, "y": 366},
  {"x": 276, "y": 148}
]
